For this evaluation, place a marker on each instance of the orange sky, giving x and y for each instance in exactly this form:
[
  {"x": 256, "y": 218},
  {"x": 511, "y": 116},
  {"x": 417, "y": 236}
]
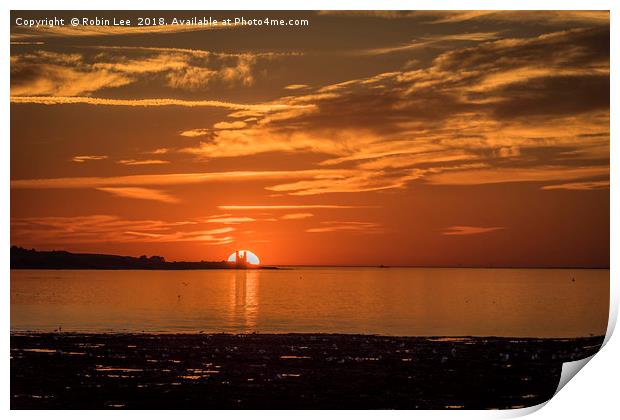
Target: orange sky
[{"x": 414, "y": 138}]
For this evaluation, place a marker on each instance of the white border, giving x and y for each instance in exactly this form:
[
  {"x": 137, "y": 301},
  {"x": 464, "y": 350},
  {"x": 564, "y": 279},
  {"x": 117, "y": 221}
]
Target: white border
[{"x": 593, "y": 394}]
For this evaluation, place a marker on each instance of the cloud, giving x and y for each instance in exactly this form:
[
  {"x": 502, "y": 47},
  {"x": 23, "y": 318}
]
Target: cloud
[
  {"x": 405, "y": 160},
  {"x": 77, "y": 74},
  {"x": 500, "y": 175},
  {"x": 347, "y": 226},
  {"x": 197, "y": 132},
  {"x": 296, "y": 216},
  {"x": 515, "y": 105},
  {"x": 443, "y": 17},
  {"x": 384, "y": 14},
  {"x": 288, "y": 207},
  {"x": 579, "y": 186},
  {"x": 140, "y": 194},
  {"x": 501, "y": 110},
  {"x": 86, "y": 158},
  {"x": 243, "y": 142},
  {"x": 222, "y": 125},
  {"x": 50, "y": 73},
  {"x": 296, "y": 87},
  {"x": 62, "y": 100},
  {"x": 160, "y": 151},
  {"x": 195, "y": 53},
  {"x": 545, "y": 16},
  {"x": 357, "y": 182},
  {"x": 25, "y": 33},
  {"x": 209, "y": 237},
  {"x": 173, "y": 178},
  {"x": 229, "y": 125},
  {"x": 134, "y": 162},
  {"x": 165, "y": 62},
  {"x": 238, "y": 72},
  {"x": 39, "y": 231},
  {"x": 432, "y": 40},
  {"x": 456, "y": 16},
  {"x": 228, "y": 219},
  {"x": 27, "y": 43},
  {"x": 468, "y": 230}
]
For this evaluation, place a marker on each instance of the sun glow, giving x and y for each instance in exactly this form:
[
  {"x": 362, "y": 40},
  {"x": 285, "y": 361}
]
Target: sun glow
[{"x": 251, "y": 257}]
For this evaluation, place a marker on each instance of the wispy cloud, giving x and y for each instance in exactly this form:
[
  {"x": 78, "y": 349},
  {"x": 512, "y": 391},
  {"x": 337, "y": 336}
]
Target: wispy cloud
[
  {"x": 296, "y": 87},
  {"x": 462, "y": 117},
  {"x": 499, "y": 175},
  {"x": 468, "y": 230},
  {"x": 228, "y": 219},
  {"x": 51, "y": 73},
  {"x": 113, "y": 229},
  {"x": 196, "y": 132},
  {"x": 159, "y": 151},
  {"x": 140, "y": 194},
  {"x": 195, "y": 53},
  {"x": 347, "y": 226},
  {"x": 459, "y": 16},
  {"x": 497, "y": 111},
  {"x": 579, "y": 186},
  {"x": 547, "y": 16},
  {"x": 225, "y": 125},
  {"x": 174, "y": 178},
  {"x": 27, "y": 43},
  {"x": 25, "y": 33},
  {"x": 296, "y": 216},
  {"x": 63, "y": 100},
  {"x": 86, "y": 158},
  {"x": 60, "y": 74},
  {"x": 222, "y": 125},
  {"x": 358, "y": 181},
  {"x": 134, "y": 162},
  {"x": 288, "y": 207},
  {"x": 433, "y": 40},
  {"x": 240, "y": 71}
]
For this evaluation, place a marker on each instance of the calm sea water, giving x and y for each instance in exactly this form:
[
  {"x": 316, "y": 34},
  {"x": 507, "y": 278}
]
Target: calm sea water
[{"x": 394, "y": 301}]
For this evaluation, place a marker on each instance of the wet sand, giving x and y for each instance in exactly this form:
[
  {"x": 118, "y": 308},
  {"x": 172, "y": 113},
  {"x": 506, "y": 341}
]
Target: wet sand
[{"x": 285, "y": 371}]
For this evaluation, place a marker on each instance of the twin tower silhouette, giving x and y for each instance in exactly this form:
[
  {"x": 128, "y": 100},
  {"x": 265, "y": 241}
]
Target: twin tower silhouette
[{"x": 241, "y": 259}]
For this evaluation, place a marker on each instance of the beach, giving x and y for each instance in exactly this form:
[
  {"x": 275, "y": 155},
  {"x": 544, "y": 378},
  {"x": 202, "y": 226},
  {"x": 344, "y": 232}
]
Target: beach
[{"x": 285, "y": 371}]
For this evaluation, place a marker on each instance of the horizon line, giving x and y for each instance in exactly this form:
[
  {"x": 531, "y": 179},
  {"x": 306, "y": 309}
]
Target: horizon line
[{"x": 533, "y": 267}]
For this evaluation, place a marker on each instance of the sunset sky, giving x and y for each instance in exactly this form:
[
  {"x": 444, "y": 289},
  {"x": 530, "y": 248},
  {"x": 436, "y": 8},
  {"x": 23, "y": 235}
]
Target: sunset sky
[{"x": 396, "y": 138}]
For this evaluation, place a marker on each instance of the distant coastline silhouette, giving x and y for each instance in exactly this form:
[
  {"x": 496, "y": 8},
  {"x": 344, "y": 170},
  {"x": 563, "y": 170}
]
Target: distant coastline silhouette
[{"x": 22, "y": 258}]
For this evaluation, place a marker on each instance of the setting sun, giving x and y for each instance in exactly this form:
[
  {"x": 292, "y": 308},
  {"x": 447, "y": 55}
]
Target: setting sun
[{"x": 251, "y": 257}]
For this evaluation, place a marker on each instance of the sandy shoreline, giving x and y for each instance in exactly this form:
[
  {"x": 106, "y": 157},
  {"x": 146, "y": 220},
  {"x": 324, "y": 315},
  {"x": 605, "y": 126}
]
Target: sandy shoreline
[{"x": 277, "y": 371}]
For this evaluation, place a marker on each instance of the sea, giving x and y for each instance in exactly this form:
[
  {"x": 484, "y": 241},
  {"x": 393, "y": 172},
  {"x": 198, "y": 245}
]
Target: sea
[{"x": 438, "y": 302}]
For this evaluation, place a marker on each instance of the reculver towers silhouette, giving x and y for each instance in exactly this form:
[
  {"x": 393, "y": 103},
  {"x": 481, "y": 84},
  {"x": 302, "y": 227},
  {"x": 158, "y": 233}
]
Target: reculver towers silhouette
[{"x": 241, "y": 259}]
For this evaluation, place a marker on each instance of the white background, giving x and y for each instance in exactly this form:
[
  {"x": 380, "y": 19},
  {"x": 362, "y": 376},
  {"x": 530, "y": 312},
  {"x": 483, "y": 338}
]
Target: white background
[{"x": 592, "y": 394}]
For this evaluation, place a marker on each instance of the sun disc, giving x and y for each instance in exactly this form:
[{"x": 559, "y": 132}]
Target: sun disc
[{"x": 252, "y": 258}]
